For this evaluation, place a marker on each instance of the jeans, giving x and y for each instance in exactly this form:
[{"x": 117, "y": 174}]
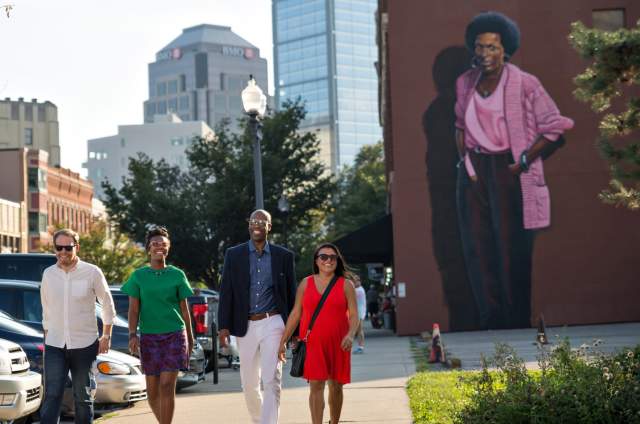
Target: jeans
[{"x": 57, "y": 364}]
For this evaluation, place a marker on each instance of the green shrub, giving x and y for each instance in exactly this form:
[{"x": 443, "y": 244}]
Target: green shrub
[{"x": 572, "y": 386}]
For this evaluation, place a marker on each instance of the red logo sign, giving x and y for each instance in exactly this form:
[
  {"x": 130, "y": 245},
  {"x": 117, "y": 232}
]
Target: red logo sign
[{"x": 248, "y": 53}]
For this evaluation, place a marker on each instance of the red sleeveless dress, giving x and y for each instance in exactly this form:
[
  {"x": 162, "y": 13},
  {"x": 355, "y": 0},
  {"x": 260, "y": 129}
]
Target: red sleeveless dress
[{"x": 325, "y": 359}]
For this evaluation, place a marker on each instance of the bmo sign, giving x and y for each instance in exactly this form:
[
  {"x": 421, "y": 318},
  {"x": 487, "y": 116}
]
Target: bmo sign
[
  {"x": 247, "y": 53},
  {"x": 171, "y": 54}
]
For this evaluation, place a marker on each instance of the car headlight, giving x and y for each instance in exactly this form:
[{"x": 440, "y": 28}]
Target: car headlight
[
  {"x": 113, "y": 368},
  {"x": 5, "y": 365}
]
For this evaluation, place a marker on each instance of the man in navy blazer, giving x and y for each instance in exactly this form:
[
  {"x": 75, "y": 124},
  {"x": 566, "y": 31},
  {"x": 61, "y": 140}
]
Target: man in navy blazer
[{"x": 256, "y": 296}]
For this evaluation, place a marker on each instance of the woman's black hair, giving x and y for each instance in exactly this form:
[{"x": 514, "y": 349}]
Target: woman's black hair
[
  {"x": 341, "y": 266},
  {"x": 497, "y": 23},
  {"x": 153, "y": 232}
]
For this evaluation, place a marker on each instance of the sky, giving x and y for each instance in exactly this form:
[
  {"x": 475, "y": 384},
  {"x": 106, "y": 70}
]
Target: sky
[{"x": 90, "y": 57}]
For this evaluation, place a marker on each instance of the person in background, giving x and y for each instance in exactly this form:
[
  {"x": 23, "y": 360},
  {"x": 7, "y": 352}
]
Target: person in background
[
  {"x": 373, "y": 302},
  {"x": 329, "y": 344},
  {"x": 71, "y": 344},
  {"x": 361, "y": 302},
  {"x": 158, "y": 302}
]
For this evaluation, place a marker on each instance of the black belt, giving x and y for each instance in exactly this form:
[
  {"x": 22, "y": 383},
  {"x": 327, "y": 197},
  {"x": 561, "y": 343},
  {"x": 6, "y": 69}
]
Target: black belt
[{"x": 263, "y": 315}]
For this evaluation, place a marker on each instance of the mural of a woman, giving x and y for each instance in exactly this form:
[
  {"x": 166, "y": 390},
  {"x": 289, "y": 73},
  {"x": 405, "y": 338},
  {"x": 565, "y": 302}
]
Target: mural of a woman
[{"x": 505, "y": 120}]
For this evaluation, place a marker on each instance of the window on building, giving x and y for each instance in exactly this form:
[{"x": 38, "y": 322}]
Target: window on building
[
  {"x": 28, "y": 136},
  {"x": 162, "y": 108},
  {"x": 183, "y": 83},
  {"x": 202, "y": 70},
  {"x": 220, "y": 103},
  {"x": 123, "y": 143},
  {"x": 172, "y": 105},
  {"x": 28, "y": 112},
  {"x": 123, "y": 161},
  {"x": 184, "y": 102},
  {"x": 15, "y": 111},
  {"x": 235, "y": 84},
  {"x": 33, "y": 178},
  {"x": 176, "y": 141},
  {"x": 151, "y": 109},
  {"x": 161, "y": 89},
  {"x": 41, "y": 113},
  {"x": 37, "y": 222},
  {"x": 235, "y": 104},
  {"x": 608, "y": 19},
  {"x": 172, "y": 87}
]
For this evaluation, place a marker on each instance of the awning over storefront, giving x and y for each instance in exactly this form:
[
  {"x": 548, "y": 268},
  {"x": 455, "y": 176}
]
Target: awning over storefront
[{"x": 370, "y": 243}]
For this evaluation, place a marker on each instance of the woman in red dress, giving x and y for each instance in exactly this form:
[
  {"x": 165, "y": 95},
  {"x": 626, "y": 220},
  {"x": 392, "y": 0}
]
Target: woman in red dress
[{"x": 329, "y": 343}]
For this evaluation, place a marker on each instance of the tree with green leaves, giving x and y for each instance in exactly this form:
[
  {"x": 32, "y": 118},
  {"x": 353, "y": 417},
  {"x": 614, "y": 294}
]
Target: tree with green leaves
[
  {"x": 611, "y": 77},
  {"x": 205, "y": 207},
  {"x": 117, "y": 256},
  {"x": 361, "y": 197}
]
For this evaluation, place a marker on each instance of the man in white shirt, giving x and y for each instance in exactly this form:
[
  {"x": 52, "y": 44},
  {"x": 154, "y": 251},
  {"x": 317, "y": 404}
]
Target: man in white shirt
[{"x": 68, "y": 294}]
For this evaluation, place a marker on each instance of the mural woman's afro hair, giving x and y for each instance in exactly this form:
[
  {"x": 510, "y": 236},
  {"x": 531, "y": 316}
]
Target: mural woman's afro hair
[{"x": 497, "y": 23}]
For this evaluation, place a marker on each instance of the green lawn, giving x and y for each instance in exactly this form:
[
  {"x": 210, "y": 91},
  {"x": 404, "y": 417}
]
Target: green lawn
[{"x": 435, "y": 397}]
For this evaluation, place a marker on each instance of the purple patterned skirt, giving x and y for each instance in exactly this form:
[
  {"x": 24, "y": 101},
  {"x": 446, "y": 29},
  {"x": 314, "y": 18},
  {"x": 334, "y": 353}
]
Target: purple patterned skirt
[{"x": 164, "y": 352}]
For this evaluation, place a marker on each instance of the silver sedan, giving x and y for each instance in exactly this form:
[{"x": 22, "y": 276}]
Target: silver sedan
[{"x": 119, "y": 381}]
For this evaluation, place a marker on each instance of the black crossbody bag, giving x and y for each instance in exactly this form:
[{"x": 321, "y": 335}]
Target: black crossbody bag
[{"x": 300, "y": 351}]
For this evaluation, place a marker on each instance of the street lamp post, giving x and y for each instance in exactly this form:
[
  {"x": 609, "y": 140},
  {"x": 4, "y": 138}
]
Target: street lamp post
[
  {"x": 255, "y": 104},
  {"x": 283, "y": 207}
]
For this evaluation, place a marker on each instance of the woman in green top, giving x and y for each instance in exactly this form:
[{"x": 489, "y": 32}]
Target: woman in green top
[{"x": 158, "y": 303}]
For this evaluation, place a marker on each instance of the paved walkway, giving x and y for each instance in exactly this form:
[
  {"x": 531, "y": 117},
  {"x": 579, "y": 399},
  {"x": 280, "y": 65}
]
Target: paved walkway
[
  {"x": 376, "y": 396},
  {"x": 468, "y": 346}
]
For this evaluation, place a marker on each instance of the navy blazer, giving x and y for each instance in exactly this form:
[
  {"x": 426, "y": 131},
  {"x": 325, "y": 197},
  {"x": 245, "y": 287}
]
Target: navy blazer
[{"x": 233, "y": 309}]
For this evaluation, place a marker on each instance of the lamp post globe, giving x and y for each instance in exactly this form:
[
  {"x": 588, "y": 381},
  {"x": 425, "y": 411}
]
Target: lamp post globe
[
  {"x": 253, "y": 99},
  {"x": 255, "y": 103}
]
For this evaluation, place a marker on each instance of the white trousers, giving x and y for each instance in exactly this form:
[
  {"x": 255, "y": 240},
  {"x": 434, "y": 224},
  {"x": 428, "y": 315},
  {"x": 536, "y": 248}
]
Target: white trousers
[{"x": 259, "y": 362}]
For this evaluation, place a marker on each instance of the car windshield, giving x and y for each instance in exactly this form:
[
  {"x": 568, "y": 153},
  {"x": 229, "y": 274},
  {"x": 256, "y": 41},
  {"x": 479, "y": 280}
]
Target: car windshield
[
  {"x": 8, "y": 323},
  {"x": 117, "y": 320},
  {"x": 122, "y": 303}
]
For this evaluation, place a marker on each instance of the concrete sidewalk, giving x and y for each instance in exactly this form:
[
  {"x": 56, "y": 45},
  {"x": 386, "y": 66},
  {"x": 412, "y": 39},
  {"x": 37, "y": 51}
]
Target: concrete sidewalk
[
  {"x": 468, "y": 346},
  {"x": 376, "y": 394}
]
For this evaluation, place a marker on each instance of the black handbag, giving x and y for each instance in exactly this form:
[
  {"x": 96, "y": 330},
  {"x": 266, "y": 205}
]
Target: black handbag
[{"x": 300, "y": 351}]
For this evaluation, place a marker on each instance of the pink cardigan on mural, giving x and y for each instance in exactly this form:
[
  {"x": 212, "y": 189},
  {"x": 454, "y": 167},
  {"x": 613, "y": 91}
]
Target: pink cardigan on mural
[{"x": 529, "y": 113}]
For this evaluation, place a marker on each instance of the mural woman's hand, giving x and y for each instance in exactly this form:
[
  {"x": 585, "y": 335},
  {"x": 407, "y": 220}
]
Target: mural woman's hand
[{"x": 515, "y": 169}]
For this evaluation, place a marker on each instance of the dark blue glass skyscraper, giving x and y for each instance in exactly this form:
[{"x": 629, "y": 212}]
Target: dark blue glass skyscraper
[{"x": 325, "y": 52}]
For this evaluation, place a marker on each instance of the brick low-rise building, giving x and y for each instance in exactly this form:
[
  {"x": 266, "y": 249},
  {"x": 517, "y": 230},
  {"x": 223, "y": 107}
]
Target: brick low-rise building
[{"x": 53, "y": 196}]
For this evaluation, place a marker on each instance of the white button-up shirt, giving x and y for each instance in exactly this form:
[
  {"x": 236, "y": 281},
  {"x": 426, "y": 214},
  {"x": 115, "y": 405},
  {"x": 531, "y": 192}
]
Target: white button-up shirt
[{"x": 69, "y": 305}]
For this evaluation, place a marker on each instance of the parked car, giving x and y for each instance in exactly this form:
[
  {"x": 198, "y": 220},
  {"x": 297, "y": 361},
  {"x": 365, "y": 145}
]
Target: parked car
[
  {"x": 25, "y": 266},
  {"x": 20, "y": 388},
  {"x": 118, "y": 376},
  {"x": 203, "y": 305},
  {"x": 30, "y": 340},
  {"x": 22, "y": 301},
  {"x": 119, "y": 381}
]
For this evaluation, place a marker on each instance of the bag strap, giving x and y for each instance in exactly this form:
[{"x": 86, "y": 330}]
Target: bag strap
[{"x": 325, "y": 294}]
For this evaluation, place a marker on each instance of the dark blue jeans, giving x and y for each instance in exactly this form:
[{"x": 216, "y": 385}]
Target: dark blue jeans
[{"x": 57, "y": 364}]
